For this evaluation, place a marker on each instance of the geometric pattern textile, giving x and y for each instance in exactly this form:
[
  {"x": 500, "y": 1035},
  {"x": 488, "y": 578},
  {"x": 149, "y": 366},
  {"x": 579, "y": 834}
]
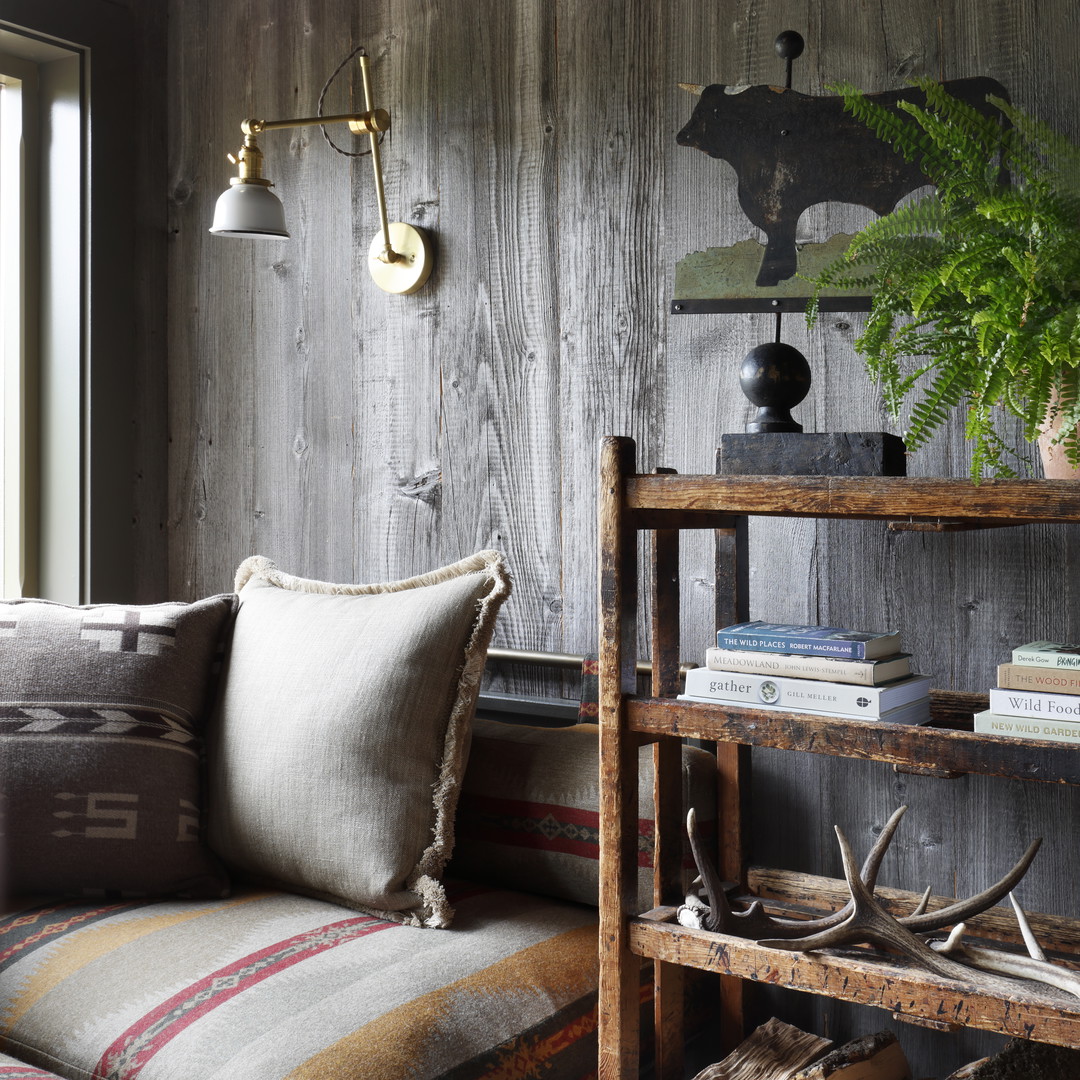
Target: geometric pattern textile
[
  {"x": 275, "y": 986},
  {"x": 13, "y": 1069},
  {"x": 101, "y": 715},
  {"x": 528, "y": 817},
  {"x": 340, "y": 738}
]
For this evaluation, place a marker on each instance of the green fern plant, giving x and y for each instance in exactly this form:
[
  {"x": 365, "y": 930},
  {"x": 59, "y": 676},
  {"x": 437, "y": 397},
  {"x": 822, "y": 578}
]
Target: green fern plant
[{"x": 975, "y": 287}]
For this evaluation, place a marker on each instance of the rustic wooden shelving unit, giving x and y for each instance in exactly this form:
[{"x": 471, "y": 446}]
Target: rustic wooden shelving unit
[{"x": 664, "y": 504}]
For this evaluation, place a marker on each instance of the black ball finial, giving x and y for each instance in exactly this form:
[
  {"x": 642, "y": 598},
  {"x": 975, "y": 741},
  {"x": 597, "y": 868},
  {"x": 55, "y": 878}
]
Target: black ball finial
[
  {"x": 775, "y": 377},
  {"x": 789, "y": 45}
]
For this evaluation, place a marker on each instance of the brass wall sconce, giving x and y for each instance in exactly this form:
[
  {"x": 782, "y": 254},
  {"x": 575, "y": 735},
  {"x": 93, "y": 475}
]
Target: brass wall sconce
[{"x": 399, "y": 258}]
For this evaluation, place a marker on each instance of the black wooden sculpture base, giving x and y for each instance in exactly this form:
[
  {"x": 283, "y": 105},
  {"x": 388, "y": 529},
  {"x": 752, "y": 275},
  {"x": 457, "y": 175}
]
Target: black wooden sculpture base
[{"x": 808, "y": 453}]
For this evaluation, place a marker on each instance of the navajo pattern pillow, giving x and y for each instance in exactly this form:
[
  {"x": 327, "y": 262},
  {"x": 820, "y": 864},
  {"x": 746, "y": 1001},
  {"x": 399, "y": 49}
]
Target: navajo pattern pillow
[{"x": 101, "y": 710}]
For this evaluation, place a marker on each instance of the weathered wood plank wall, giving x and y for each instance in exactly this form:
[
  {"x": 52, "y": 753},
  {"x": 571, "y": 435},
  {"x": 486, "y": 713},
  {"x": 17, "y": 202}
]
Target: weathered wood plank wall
[{"x": 356, "y": 436}]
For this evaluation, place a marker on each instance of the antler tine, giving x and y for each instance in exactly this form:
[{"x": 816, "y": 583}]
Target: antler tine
[
  {"x": 869, "y": 872},
  {"x": 924, "y": 900},
  {"x": 964, "y": 909},
  {"x": 872, "y": 864},
  {"x": 1034, "y": 949},
  {"x": 719, "y": 917}
]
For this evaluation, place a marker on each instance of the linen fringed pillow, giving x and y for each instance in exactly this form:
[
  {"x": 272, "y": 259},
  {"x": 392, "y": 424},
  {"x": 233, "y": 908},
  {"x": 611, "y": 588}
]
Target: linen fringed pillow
[
  {"x": 101, "y": 715},
  {"x": 338, "y": 746}
]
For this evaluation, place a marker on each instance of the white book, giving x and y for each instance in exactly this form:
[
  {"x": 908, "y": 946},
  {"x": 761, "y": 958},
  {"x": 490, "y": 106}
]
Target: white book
[
  {"x": 916, "y": 712},
  {"x": 1058, "y": 654},
  {"x": 805, "y": 694},
  {"x": 1027, "y": 727},
  {"x": 1040, "y": 706}
]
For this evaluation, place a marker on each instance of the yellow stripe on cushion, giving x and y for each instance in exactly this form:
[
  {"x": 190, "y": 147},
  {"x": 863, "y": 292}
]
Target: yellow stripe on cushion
[
  {"x": 94, "y": 942},
  {"x": 387, "y": 1047}
]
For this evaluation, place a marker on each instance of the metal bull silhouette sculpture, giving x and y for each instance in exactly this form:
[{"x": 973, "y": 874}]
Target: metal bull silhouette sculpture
[{"x": 791, "y": 151}]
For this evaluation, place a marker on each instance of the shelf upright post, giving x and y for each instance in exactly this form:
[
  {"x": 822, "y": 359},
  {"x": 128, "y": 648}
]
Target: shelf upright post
[
  {"x": 620, "y": 970},
  {"x": 733, "y": 761},
  {"x": 668, "y": 979}
]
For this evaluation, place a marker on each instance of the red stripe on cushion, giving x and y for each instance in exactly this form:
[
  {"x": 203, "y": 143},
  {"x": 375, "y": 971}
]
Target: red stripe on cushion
[
  {"x": 49, "y": 929},
  {"x": 126, "y": 1057},
  {"x": 568, "y": 830}
]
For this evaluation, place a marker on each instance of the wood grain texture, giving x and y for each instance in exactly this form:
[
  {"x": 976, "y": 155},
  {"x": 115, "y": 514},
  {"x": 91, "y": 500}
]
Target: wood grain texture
[
  {"x": 355, "y": 436},
  {"x": 860, "y": 976}
]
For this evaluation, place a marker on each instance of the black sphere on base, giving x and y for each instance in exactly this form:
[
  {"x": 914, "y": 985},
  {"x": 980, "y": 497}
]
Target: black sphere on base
[
  {"x": 789, "y": 45},
  {"x": 775, "y": 377}
]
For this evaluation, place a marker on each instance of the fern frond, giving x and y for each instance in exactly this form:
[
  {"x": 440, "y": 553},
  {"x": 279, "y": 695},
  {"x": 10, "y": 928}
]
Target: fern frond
[{"x": 945, "y": 392}]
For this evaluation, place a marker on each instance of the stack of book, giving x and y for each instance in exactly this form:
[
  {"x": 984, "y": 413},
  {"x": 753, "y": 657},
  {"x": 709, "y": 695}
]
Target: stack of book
[
  {"x": 822, "y": 670},
  {"x": 1037, "y": 695}
]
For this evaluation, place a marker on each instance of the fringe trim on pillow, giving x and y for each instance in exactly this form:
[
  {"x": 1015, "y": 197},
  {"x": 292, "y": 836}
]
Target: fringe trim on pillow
[
  {"x": 424, "y": 879},
  {"x": 259, "y": 565},
  {"x": 435, "y": 910}
]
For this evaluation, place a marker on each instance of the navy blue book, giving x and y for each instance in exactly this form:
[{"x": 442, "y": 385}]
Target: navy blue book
[{"x": 809, "y": 640}]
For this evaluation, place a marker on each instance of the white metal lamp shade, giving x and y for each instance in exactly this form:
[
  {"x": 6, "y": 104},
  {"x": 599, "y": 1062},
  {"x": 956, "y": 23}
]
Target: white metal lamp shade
[{"x": 249, "y": 209}]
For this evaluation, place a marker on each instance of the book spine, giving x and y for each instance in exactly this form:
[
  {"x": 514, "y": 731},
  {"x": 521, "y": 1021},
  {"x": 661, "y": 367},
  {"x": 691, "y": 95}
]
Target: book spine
[
  {"x": 800, "y": 694},
  {"x": 1038, "y": 706},
  {"x": 1021, "y": 727},
  {"x": 1039, "y": 679},
  {"x": 856, "y": 672},
  {"x": 1038, "y": 658},
  {"x": 792, "y": 643}
]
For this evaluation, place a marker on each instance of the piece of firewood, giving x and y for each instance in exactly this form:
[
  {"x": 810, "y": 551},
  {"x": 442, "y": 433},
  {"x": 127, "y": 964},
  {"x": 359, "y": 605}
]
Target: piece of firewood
[
  {"x": 775, "y": 1051},
  {"x": 1023, "y": 1060},
  {"x": 871, "y": 1057}
]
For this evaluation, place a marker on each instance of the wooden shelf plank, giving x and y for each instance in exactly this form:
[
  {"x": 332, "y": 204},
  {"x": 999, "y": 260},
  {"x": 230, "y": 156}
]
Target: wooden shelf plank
[
  {"x": 793, "y": 892},
  {"x": 929, "y": 747},
  {"x": 902, "y": 498},
  {"x": 864, "y": 978}
]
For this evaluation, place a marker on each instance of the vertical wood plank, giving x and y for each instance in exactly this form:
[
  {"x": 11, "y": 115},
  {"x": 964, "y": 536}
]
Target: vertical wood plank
[{"x": 618, "y": 1016}]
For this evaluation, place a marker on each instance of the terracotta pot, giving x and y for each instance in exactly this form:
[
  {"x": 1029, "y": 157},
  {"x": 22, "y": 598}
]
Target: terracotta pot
[{"x": 1056, "y": 465}]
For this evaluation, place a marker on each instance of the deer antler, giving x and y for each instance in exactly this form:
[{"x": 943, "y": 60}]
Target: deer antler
[
  {"x": 864, "y": 921},
  {"x": 869, "y": 923},
  {"x": 1035, "y": 966},
  {"x": 720, "y": 917}
]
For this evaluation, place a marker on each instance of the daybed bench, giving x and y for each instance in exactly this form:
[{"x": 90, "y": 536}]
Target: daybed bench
[{"x": 299, "y": 921}]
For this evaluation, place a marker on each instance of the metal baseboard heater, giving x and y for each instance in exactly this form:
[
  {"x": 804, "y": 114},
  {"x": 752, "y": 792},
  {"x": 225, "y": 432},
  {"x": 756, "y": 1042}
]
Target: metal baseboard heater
[{"x": 523, "y": 707}]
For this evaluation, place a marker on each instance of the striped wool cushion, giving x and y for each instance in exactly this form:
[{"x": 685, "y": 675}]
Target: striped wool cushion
[
  {"x": 13, "y": 1069},
  {"x": 269, "y": 986},
  {"x": 529, "y": 816}
]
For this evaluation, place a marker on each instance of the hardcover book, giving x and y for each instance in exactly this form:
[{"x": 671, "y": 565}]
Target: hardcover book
[
  {"x": 989, "y": 722},
  {"x": 916, "y": 712},
  {"x": 1040, "y": 679},
  {"x": 805, "y": 694},
  {"x": 1043, "y": 706},
  {"x": 808, "y": 666},
  {"x": 817, "y": 640},
  {"x": 1048, "y": 654}
]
